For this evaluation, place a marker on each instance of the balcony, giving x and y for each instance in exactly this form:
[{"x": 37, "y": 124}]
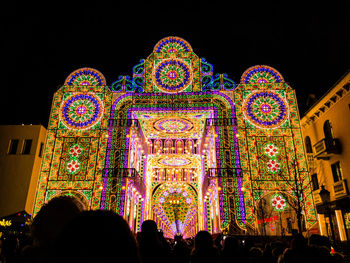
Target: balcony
[
  {"x": 325, "y": 148},
  {"x": 123, "y": 123},
  {"x": 210, "y": 122},
  {"x": 340, "y": 189}
]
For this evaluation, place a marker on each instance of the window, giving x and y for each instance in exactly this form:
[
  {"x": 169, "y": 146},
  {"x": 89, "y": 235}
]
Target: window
[
  {"x": 27, "y": 145},
  {"x": 308, "y": 144},
  {"x": 328, "y": 131},
  {"x": 41, "y": 149},
  {"x": 314, "y": 182},
  {"x": 13, "y": 146},
  {"x": 336, "y": 171}
]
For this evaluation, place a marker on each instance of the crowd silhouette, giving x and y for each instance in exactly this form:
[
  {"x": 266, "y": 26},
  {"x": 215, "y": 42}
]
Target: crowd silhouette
[{"x": 63, "y": 232}]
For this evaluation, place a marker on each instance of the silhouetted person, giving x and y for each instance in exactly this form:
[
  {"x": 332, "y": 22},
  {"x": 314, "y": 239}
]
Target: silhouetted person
[
  {"x": 48, "y": 224},
  {"x": 152, "y": 247},
  {"x": 96, "y": 236},
  {"x": 319, "y": 240},
  {"x": 52, "y": 217},
  {"x": 181, "y": 252},
  {"x": 255, "y": 255},
  {"x": 230, "y": 251},
  {"x": 267, "y": 254},
  {"x": 203, "y": 250},
  {"x": 217, "y": 241},
  {"x": 298, "y": 252}
]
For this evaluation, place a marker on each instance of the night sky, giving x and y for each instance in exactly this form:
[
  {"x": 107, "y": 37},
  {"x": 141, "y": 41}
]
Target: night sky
[{"x": 43, "y": 43}]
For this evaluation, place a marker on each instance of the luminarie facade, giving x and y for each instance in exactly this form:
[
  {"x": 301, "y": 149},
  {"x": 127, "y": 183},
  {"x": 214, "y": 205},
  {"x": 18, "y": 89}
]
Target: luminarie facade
[{"x": 181, "y": 145}]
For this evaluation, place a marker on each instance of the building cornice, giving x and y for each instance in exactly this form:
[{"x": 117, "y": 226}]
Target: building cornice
[{"x": 334, "y": 95}]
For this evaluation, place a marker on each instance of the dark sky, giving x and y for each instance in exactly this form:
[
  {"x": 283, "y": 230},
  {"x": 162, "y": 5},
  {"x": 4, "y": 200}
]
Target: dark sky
[{"x": 42, "y": 43}]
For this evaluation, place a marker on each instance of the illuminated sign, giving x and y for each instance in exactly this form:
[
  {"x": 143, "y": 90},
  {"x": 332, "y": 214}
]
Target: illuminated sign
[{"x": 5, "y": 223}]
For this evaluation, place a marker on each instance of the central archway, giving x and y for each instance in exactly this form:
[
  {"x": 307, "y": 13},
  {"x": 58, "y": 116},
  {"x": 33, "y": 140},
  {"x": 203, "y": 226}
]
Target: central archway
[{"x": 174, "y": 139}]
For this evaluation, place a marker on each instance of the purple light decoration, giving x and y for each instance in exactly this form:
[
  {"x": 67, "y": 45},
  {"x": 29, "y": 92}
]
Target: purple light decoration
[{"x": 237, "y": 159}]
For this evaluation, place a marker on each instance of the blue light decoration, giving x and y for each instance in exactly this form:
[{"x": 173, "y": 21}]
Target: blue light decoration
[
  {"x": 206, "y": 75},
  {"x": 221, "y": 81},
  {"x": 123, "y": 83},
  {"x": 138, "y": 77}
]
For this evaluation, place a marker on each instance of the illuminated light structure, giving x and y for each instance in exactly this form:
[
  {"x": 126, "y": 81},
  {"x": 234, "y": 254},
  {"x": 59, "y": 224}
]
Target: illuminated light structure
[{"x": 175, "y": 143}]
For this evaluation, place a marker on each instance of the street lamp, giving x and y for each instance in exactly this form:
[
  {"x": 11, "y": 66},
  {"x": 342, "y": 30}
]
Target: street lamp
[{"x": 326, "y": 197}]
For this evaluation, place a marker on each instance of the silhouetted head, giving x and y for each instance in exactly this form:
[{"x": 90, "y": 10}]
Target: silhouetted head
[
  {"x": 178, "y": 237},
  {"x": 149, "y": 226},
  {"x": 203, "y": 240},
  {"x": 52, "y": 217},
  {"x": 319, "y": 240},
  {"x": 96, "y": 236}
]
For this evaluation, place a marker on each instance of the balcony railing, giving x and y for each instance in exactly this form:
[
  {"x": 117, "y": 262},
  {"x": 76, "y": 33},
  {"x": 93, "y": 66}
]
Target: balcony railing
[
  {"x": 222, "y": 172},
  {"x": 123, "y": 123},
  {"x": 217, "y": 173},
  {"x": 220, "y": 122},
  {"x": 325, "y": 148}
]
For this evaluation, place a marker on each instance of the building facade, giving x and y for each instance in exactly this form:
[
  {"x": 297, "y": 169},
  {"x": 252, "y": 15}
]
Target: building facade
[
  {"x": 21, "y": 148},
  {"x": 326, "y": 131},
  {"x": 181, "y": 145}
]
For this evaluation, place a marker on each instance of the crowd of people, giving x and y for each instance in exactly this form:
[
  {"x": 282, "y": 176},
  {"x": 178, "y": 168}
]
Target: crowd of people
[{"x": 63, "y": 232}]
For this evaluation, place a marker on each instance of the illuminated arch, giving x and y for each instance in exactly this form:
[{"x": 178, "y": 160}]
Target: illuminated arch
[
  {"x": 179, "y": 147},
  {"x": 85, "y": 77},
  {"x": 223, "y": 107},
  {"x": 261, "y": 74}
]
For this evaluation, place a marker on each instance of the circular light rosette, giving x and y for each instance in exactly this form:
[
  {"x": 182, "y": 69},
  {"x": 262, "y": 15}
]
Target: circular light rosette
[
  {"x": 173, "y": 125},
  {"x": 271, "y": 150},
  {"x": 278, "y": 203},
  {"x": 188, "y": 200},
  {"x": 81, "y": 111},
  {"x": 75, "y": 151},
  {"x": 73, "y": 166},
  {"x": 265, "y": 109},
  {"x": 172, "y": 75}
]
